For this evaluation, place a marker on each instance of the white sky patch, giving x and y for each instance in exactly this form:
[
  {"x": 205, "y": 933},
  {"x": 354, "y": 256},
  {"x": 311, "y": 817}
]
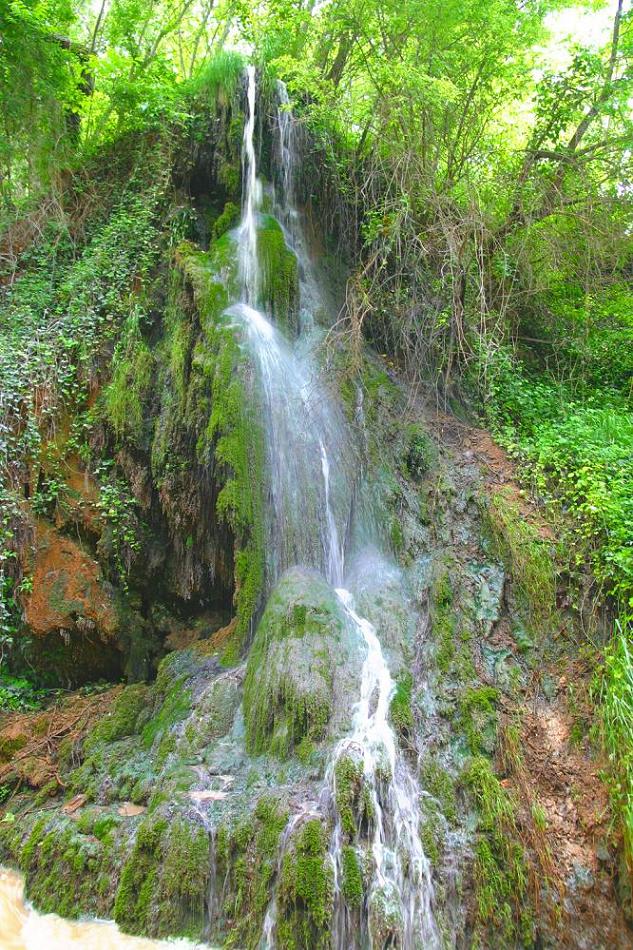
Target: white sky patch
[{"x": 573, "y": 26}]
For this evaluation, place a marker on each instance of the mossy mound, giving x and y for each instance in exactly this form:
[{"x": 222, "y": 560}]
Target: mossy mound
[
  {"x": 279, "y": 288},
  {"x": 302, "y": 639}
]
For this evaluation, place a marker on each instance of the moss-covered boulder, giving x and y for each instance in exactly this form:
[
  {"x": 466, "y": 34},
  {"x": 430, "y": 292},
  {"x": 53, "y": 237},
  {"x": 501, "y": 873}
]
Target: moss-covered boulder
[
  {"x": 279, "y": 275},
  {"x": 300, "y": 667}
]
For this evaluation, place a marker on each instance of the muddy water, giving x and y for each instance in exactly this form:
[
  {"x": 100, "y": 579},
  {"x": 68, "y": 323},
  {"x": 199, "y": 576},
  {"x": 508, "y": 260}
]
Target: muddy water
[{"x": 22, "y": 928}]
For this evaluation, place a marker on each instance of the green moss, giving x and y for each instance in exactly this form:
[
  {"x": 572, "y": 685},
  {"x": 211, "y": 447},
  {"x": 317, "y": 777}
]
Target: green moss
[
  {"x": 184, "y": 882},
  {"x": 288, "y": 685},
  {"x": 526, "y": 555},
  {"x": 125, "y": 395},
  {"x": 121, "y": 720},
  {"x": 225, "y": 221},
  {"x": 246, "y": 860},
  {"x": 8, "y": 747},
  {"x": 432, "y": 836},
  {"x": 478, "y": 717},
  {"x": 348, "y": 789},
  {"x": 437, "y": 781},
  {"x": 400, "y": 711},
  {"x": 279, "y": 289},
  {"x": 59, "y": 863},
  {"x": 500, "y": 868},
  {"x": 104, "y": 825},
  {"x": 352, "y": 877},
  {"x": 420, "y": 453},
  {"x": 175, "y": 707},
  {"x": 138, "y": 885},
  {"x": 443, "y": 620},
  {"x": 306, "y": 890}
]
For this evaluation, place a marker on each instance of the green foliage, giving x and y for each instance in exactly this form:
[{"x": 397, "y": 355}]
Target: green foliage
[
  {"x": 121, "y": 540},
  {"x": 614, "y": 689},
  {"x": 218, "y": 77},
  {"x": 577, "y": 454},
  {"x": 18, "y": 694},
  {"x": 60, "y": 312},
  {"x": 500, "y": 870}
]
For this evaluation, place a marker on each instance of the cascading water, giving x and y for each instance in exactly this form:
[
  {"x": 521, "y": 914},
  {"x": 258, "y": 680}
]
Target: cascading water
[
  {"x": 311, "y": 462},
  {"x": 302, "y": 422}
]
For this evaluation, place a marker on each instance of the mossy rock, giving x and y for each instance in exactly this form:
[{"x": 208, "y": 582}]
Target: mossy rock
[
  {"x": 306, "y": 890},
  {"x": 247, "y": 855},
  {"x": 289, "y": 690},
  {"x": 279, "y": 287}
]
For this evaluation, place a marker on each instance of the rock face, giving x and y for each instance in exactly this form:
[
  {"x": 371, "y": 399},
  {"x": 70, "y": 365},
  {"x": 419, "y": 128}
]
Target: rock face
[
  {"x": 301, "y": 668},
  {"x": 196, "y": 800},
  {"x": 71, "y": 612}
]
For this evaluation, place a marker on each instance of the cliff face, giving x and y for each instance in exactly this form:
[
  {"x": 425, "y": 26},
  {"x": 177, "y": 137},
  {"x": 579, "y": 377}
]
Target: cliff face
[
  {"x": 189, "y": 801},
  {"x": 114, "y": 538}
]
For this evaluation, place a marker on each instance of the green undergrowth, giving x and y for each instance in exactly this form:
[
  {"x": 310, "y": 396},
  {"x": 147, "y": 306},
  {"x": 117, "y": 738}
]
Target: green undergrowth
[
  {"x": 573, "y": 444},
  {"x": 527, "y": 557},
  {"x": 576, "y": 453},
  {"x": 614, "y": 691},
  {"x": 502, "y": 910}
]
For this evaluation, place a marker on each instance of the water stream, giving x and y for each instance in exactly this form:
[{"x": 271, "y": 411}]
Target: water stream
[{"x": 311, "y": 459}]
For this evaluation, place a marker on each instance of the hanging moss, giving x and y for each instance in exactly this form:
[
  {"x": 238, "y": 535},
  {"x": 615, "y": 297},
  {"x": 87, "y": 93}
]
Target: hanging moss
[
  {"x": 246, "y": 857},
  {"x": 225, "y": 221},
  {"x": 138, "y": 885},
  {"x": 306, "y": 890},
  {"x": 352, "y": 878},
  {"x": 279, "y": 289},
  {"x": 400, "y": 711},
  {"x": 184, "y": 882},
  {"x": 231, "y": 434},
  {"x": 348, "y": 781}
]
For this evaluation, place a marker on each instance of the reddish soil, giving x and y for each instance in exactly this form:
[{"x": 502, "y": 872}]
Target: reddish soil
[
  {"x": 66, "y": 588},
  {"x": 30, "y": 742}
]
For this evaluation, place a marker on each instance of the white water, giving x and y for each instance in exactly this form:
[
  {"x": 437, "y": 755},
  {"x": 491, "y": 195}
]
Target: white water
[
  {"x": 23, "y": 928},
  {"x": 301, "y": 420},
  {"x": 252, "y": 201},
  {"x": 402, "y": 874},
  {"x": 309, "y": 447}
]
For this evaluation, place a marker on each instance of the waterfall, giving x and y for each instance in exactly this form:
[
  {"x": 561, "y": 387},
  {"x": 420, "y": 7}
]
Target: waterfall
[
  {"x": 251, "y": 202},
  {"x": 311, "y": 464},
  {"x": 303, "y": 423}
]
